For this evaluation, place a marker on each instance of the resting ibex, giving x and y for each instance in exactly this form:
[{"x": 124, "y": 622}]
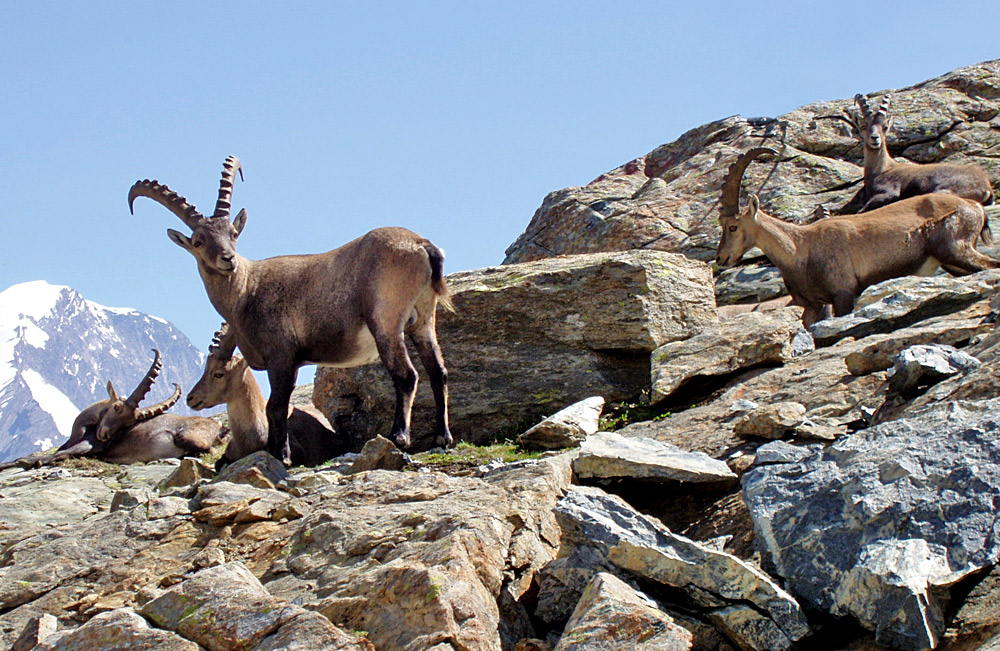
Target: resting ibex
[
  {"x": 887, "y": 180},
  {"x": 119, "y": 431},
  {"x": 228, "y": 379},
  {"x": 831, "y": 261},
  {"x": 346, "y": 307}
]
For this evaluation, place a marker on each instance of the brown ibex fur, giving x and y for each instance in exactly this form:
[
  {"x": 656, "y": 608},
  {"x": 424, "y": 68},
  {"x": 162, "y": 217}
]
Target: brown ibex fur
[
  {"x": 228, "y": 379},
  {"x": 346, "y": 307},
  {"x": 119, "y": 431},
  {"x": 887, "y": 180},
  {"x": 831, "y": 261}
]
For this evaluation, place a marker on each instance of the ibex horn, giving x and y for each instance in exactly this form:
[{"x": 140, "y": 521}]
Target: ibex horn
[
  {"x": 217, "y": 348},
  {"x": 151, "y": 412},
  {"x": 229, "y": 169},
  {"x": 883, "y": 108},
  {"x": 730, "y": 203},
  {"x": 147, "y": 382},
  {"x": 166, "y": 197},
  {"x": 866, "y": 112}
]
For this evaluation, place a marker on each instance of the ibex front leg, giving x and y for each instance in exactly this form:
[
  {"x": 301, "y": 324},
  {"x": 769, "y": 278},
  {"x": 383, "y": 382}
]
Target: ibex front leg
[{"x": 282, "y": 379}]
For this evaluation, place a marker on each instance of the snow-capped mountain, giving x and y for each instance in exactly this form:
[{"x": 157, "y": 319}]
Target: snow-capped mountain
[{"x": 58, "y": 351}]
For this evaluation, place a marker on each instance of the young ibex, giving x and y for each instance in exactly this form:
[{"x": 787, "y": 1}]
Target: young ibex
[
  {"x": 887, "y": 180},
  {"x": 119, "y": 431},
  {"x": 346, "y": 307},
  {"x": 228, "y": 379},
  {"x": 831, "y": 261}
]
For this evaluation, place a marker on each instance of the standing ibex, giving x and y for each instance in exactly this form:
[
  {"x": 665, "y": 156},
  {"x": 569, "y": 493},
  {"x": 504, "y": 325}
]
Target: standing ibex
[
  {"x": 119, "y": 431},
  {"x": 887, "y": 180},
  {"x": 831, "y": 261},
  {"x": 346, "y": 307},
  {"x": 228, "y": 379}
]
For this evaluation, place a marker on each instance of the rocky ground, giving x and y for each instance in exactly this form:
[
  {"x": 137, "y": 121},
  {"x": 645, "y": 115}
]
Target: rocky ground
[{"x": 699, "y": 477}]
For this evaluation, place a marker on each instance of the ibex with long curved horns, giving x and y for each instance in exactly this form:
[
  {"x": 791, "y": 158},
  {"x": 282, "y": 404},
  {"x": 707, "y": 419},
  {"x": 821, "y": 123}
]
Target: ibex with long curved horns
[
  {"x": 831, "y": 261},
  {"x": 120, "y": 431},
  {"x": 228, "y": 379},
  {"x": 346, "y": 307},
  {"x": 888, "y": 180}
]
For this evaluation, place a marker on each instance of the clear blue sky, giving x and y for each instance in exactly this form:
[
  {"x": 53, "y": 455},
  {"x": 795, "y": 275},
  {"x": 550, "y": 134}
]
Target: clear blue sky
[{"x": 451, "y": 118}]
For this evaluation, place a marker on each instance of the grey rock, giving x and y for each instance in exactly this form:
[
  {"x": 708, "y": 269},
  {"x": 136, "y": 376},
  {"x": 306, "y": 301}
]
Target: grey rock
[
  {"x": 117, "y": 630},
  {"x": 609, "y": 455},
  {"x": 772, "y": 421},
  {"x": 803, "y": 343},
  {"x": 530, "y": 339},
  {"x": 879, "y": 524},
  {"x": 612, "y": 615},
  {"x": 927, "y": 364},
  {"x": 782, "y": 452},
  {"x": 566, "y": 428},
  {"x": 129, "y": 498},
  {"x": 167, "y": 507},
  {"x": 189, "y": 472},
  {"x": 378, "y": 453},
  {"x": 602, "y": 532},
  {"x": 35, "y": 632},
  {"x": 881, "y": 350},
  {"x": 258, "y": 469},
  {"x": 752, "y": 283},
  {"x": 903, "y": 302},
  {"x": 743, "y": 341}
]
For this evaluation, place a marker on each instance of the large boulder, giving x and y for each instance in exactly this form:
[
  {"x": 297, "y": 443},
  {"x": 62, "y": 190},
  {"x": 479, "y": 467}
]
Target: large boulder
[
  {"x": 880, "y": 524},
  {"x": 667, "y": 199},
  {"x": 527, "y": 340}
]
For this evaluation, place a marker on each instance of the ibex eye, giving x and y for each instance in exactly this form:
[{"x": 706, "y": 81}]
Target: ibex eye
[
  {"x": 733, "y": 229},
  {"x": 197, "y": 244},
  {"x": 218, "y": 375}
]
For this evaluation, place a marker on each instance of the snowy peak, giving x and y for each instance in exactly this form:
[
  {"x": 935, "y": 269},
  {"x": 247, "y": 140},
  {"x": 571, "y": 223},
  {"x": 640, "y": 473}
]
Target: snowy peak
[{"x": 57, "y": 352}]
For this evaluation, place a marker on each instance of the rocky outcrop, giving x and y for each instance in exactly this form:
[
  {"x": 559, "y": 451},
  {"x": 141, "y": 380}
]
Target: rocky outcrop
[
  {"x": 666, "y": 200},
  {"x": 527, "y": 340}
]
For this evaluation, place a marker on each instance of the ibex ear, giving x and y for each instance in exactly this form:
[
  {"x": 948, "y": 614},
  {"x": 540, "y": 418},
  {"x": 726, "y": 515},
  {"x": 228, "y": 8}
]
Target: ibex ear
[
  {"x": 111, "y": 391},
  {"x": 180, "y": 239},
  {"x": 888, "y": 126},
  {"x": 753, "y": 207},
  {"x": 240, "y": 221}
]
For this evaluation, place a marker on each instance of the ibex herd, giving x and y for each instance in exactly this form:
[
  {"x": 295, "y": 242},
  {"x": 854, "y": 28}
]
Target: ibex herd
[{"x": 359, "y": 303}]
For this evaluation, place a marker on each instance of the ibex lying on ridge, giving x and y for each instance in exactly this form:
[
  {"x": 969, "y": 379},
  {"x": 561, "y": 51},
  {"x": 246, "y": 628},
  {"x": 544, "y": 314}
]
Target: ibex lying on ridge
[
  {"x": 228, "y": 379},
  {"x": 345, "y": 307},
  {"x": 119, "y": 431},
  {"x": 887, "y": 180},
  {"x": 833, "y": 260}
]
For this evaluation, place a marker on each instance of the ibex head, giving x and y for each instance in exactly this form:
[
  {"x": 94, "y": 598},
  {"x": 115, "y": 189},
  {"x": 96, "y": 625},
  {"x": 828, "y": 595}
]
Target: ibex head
[
  {"x": 122, "y": 414},
  {"x": 872, "y": 127},
  {"x": 222, "y": 370},
  {"x": 213, "y": 239},
  {"x": 735, "y": 241}
]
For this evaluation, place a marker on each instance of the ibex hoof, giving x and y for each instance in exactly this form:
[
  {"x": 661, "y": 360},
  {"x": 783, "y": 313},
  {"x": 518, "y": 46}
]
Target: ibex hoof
[
  {"x": 444, "y": 440},
  {"x": 401, "y": 439}
]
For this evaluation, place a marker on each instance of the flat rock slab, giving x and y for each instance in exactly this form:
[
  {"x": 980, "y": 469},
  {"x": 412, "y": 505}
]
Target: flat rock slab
[
  {"x": 609, "y": 455},
  {"x": 566, "y": 428},
  {"x": 612, "y": 616},
  {"x": 601, "y": 532},
  {"x": 876, "y": 525},
  {"x": 117, "y": 630},
  {"x": 529, "y": 339}
]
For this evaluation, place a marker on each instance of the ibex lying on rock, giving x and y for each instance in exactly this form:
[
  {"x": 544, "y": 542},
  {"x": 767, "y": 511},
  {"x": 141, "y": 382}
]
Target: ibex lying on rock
[
  {"x": 119, "y": 431},
  {"x": 228, "y": 379},
  {"x": 833, "y": 260},
  {"x": 887, "y": 180},
  {"x": 346, "y": 307}
]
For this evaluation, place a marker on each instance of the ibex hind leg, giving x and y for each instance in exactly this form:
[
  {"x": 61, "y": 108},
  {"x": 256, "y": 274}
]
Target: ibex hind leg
[
  {"x": 963, "y": 259},
  {"x": 426, "y": 343},
  {"x": 282, "y": 380},
  {"x": 392, "y": 351}
]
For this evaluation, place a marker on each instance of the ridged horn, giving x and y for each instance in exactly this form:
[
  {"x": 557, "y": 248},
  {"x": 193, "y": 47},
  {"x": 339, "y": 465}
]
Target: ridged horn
[
  {"x": 862, "y": 102},
  {"x": 229, "y": 169},
  {"x": 883, "y": 108},
  {"x": 151, "y": 412},
  {"x": 147, "y": 381},
  {"x": 729, "y": 205},
  {"x": 167, "y": 198},
  {"x": 220, "y": 347}
]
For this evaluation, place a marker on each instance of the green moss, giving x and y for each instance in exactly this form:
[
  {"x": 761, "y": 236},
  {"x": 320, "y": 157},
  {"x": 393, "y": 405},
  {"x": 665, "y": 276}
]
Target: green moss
[{"x": 474, "y": 455}]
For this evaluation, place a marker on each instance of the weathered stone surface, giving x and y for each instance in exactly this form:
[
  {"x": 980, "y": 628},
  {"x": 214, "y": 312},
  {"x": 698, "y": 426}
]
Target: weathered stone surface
[
  {"x": 612, "y": 615},
  {"x": 751, "y": 283},
  {"x": 880, "y": 350},
  {"x": 118, "y": 630},
  {"x": 880, "y": 523},
  {"x": 378, "y": 453},
  {"x": 741, "y": 342},
  {"x": 603, "y": 533},
  {"x": 566, "y": 428},
  {"x": 527, "y": 340},
  {"x": 903, "y": 302},
  {"x": 35, "y": 632},
  {"x": 772, "y": 421},
  {"x": 924, "y": 365},
  {"x": 612, "y": 456},
  {"x": 259, "y": 469},
  {"x": 311, "y": 631},
  {"x": 188, "y": 473},
  {"x": 666, "y": 200}
]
